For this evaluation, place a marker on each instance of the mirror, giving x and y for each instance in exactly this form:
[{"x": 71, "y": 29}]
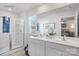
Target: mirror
[
  {"x": 33, "y": 25},
  {"x": 68, "y": 26}
]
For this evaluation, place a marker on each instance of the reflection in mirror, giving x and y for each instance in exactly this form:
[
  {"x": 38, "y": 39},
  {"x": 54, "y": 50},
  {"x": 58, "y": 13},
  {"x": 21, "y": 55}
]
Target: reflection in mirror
[
  {"x": 46, "y": 29},
  {"x": 68, "y": 27},
  {"x": 51, "y": 29}
]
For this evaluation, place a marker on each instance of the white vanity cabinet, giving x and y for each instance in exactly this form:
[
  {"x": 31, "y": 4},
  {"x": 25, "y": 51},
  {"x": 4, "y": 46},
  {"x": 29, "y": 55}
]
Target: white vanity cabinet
[
  {"x": 55, "y": 49},
  {"x": 48, "y": 47},
  {"x": 36, "y": 47}
]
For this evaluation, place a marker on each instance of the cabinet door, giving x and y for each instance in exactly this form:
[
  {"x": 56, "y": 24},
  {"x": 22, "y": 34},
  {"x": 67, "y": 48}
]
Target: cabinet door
[
  {"x": 59, "y": 50},
  {"x": 67, "y": 54},
  {"x": 52, "y": 52},
  {"x": 31, "y": 49},
  {"x": 36, "y": 47},
  {"x": 39, "y": 51}
]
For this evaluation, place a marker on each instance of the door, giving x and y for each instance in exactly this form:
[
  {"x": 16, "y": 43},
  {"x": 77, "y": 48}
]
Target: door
[
  {"x": 17, "y": 36},
  {"x": 4, "y": 38}
]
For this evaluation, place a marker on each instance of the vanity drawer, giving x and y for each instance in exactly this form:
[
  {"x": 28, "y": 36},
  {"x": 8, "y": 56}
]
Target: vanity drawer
[
  {"x": 50, "y": 51},
  {"x": 63, "y": 48},
  {"x": 41, "y": 42}
]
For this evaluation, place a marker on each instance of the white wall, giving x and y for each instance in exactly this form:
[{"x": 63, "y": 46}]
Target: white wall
[{"x": 24, "y": 16}]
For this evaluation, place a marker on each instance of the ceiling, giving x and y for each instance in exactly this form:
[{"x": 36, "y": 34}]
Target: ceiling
[
  {"x": 18, "y": 7},
  {"x": 72, "y": 7}
]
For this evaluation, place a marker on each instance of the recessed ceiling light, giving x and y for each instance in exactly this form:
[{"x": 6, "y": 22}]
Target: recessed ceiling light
[{"x": 9, "y": 9}]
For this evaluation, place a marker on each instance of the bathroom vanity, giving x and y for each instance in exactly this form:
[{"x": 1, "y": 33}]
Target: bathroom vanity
[
  {"x": 51, "y": 30},
  {"x": 51, "y": 41},
  {"x": 55, "y": 46}
]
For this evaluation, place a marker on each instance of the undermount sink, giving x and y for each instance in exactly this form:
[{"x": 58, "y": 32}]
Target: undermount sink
[{"x": 57, "y": 38}]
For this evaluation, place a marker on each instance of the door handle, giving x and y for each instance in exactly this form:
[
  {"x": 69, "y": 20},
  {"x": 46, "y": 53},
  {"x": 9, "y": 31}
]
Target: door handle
[{"x": 10, "y": 41}]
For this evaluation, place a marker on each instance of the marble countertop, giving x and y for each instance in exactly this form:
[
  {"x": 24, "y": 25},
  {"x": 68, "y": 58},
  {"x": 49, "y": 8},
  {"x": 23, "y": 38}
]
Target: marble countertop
[{"x": 74, "y": 42}]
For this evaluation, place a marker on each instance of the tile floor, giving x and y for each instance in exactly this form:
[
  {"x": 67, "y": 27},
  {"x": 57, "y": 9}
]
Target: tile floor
[{"x": 18, "y": 53}]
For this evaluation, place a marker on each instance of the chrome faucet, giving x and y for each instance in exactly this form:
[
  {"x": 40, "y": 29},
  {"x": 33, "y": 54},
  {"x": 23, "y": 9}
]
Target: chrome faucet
[{"x": 64, "y": 38}]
